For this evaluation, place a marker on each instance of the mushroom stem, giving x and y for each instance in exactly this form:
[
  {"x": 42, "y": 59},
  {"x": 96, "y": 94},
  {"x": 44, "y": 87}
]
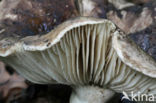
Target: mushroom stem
[{"x": 90, "y": 94}]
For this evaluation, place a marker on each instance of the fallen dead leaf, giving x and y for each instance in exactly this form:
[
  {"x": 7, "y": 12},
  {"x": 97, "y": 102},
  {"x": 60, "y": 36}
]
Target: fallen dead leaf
[
  {"x": 11, "y": 86},
  {"x": 130, "y": 22}
]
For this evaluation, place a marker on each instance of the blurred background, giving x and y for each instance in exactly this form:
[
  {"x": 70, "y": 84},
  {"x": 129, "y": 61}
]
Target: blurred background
[{"x": 15, "y": 89}]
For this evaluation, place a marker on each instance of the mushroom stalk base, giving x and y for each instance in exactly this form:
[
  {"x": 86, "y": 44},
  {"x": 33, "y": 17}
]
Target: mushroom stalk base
[{"x": 89, "y": 94}]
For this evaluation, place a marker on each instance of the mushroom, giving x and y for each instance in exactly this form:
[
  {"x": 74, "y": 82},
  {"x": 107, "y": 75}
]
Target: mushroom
[
  {"x": 89, "y": 54},
  {"x": 83, "y": 52}
]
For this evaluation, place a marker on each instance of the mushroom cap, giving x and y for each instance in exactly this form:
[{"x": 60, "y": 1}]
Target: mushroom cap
[{"x": 87, "y": 57}]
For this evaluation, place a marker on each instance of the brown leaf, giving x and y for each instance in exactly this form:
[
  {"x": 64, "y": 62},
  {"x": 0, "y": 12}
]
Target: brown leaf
[
  {"x": 130, "y": 22},
  {"x": 135, "y": 18},
  {"x": 10, "y": 85},
  {"x": 4, "y": 76}
]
